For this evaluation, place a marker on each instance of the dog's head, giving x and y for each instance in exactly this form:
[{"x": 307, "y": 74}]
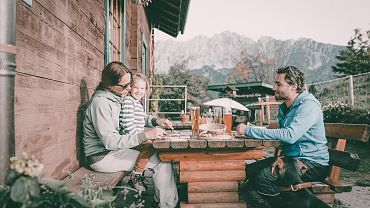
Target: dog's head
[{"x": 288, "y": 170}]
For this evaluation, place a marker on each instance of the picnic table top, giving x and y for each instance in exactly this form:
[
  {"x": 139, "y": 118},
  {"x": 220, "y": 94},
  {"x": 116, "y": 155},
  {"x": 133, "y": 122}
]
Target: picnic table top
[{"x": 182, "y": 139}]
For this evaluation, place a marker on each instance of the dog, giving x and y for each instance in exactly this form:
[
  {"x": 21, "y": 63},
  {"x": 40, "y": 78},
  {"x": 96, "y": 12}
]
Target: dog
[{"x": 289, "y": 172}]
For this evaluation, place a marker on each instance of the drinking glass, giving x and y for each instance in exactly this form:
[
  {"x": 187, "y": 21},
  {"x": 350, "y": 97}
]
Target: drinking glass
[{"x": 195, "y": 120}]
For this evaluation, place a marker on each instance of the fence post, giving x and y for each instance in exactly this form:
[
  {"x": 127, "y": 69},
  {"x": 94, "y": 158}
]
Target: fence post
[{"x": 350, "y": 92}]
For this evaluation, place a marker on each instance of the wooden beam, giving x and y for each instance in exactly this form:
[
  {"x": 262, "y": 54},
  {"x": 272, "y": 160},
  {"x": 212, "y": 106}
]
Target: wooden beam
[
  {"x": 271, "y": 143},
  {"x": 214, "y": 205},
  {"x": 208, "y": 176},
  {"x": 179, "y": 143},
  {"x": 195, "y": 155},
  {"x": 162, "y": 144},
  {"x": 197, "y": 143},
  {"x": 335, "y": 171},
  {"x": 327, "y": 198},
  {"x": 347, "y": 160},
  {"x": 347, "y": 131},
  {"x": 216, "y": 197},
  {"x": 212, "y": 165},
  {"x": 210, "y": 187}
]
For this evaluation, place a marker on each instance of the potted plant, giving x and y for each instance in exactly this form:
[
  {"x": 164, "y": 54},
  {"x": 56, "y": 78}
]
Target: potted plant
[{"x": 184, "y": 118}]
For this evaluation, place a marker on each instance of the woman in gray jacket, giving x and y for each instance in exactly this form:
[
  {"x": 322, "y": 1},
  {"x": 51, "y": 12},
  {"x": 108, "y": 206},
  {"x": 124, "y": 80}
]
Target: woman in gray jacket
[{"x": 109, "y": 151}]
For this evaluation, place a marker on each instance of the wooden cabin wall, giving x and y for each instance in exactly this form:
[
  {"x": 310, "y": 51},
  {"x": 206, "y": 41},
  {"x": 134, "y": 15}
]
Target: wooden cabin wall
[
  {"x": 60, "y": 55},
  {"x": 128, "y": 31},
  {"x": 138, "y": 25}
]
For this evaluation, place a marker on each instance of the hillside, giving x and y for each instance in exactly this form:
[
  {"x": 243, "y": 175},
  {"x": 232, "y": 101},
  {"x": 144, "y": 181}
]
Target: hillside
[{"x": 217, "y": 56}]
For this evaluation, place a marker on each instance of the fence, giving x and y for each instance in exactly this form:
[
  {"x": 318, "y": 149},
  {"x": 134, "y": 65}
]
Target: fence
[
  {"x": 168, "y": 97},
  {"x": 353, "y": 90}
]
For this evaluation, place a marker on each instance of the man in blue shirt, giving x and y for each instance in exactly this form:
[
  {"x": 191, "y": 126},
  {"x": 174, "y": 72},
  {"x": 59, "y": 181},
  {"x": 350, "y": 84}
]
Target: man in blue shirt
[{"x": 301, "y": 133}]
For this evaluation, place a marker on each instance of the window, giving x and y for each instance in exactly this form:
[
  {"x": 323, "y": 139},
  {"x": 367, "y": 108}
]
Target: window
[
  {"x": 144, "y": 55},
  {"x": 28, "y": 2},
  {"x": 114, "y": 31}
]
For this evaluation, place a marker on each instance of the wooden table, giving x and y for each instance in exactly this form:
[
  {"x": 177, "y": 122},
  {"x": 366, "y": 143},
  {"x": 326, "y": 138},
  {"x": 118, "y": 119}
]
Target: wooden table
[{"x": 212, "y": 168}]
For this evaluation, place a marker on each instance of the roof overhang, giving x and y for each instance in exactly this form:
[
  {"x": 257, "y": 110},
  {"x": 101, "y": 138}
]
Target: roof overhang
[
  {"x": 245, "y": 88},
  {"x": 169, "y": 16}
]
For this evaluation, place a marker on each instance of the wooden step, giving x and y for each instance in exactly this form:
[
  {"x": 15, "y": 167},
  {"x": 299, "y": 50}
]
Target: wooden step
[
  {"x": 215, "y": 197},
  {"x": 214, "y": 205},
  {"x": 212, "y": 165},
  {"x": 208, "y": 176},
  {"x": 218, "y": 186}
]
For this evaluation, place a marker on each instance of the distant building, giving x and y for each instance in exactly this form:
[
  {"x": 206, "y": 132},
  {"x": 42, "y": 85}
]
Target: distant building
[
  {"x": 249, "y": 94},
  {"x": 244, "y": 93}
]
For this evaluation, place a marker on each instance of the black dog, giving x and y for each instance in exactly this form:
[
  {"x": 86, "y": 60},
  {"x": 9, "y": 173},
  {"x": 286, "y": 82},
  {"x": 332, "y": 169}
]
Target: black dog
[{"x": 289, "y": 172}]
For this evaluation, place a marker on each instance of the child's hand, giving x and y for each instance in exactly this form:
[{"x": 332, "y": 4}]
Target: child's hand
[
  {"x": 240, "y": 129},
  {"x": 164, "y": 123},
  {"x": 148, "y": 142}
]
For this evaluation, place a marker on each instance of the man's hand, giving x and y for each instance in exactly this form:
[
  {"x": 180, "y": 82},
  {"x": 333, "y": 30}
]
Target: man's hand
[
  {"x": 240, "y": 129},
  {"x": 154, "y": 133},
  {"x": 278, "y": 165},
  {"x": 164, "y": 123}
]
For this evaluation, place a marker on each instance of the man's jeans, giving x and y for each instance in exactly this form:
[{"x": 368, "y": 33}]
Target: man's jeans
[{"x": 259, "y": 174}]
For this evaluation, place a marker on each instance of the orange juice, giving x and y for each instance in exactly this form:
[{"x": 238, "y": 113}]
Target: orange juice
[{"x": 228, "y": 122}]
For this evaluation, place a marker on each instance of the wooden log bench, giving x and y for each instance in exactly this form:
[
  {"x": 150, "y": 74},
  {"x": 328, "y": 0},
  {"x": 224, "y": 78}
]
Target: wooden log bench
[
  {"x": 339, "y": 158},
  {"x": 106, "y": 180}
]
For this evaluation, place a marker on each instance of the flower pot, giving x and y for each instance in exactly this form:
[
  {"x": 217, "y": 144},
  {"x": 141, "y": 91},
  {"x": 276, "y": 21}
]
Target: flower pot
[{"x": 184, "y": 118}]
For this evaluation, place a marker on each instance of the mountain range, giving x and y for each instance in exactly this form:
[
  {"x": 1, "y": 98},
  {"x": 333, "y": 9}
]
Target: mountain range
[{"x": 216, "y": 57}]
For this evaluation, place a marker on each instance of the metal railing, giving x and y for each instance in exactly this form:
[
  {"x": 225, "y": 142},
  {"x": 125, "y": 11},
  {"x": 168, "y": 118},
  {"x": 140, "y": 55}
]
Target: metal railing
[{"x": 156, "y": 98}]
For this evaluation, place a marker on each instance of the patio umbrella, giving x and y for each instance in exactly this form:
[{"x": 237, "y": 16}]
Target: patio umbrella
[{"x": 227, "y": 103}]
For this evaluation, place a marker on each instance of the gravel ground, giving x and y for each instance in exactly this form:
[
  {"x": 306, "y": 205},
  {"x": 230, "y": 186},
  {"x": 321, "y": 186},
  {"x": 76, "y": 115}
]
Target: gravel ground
[{"x": 359, "y": 197}]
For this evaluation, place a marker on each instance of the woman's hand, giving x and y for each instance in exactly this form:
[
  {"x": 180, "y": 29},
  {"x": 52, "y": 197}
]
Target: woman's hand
[
  {"x": 154, "y": 133},
  {"x": 240, "y": 129},
  {"x": 164, "y": 123}
]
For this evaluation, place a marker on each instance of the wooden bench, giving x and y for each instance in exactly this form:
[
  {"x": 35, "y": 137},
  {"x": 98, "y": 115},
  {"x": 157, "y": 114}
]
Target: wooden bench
[
  {"x": 339, "y": 158},
  {"x": 106, "y": 180}
]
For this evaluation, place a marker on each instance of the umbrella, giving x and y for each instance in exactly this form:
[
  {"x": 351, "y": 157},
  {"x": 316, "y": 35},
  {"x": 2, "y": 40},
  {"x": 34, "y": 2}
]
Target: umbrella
[{"x": 227, "y": 103}]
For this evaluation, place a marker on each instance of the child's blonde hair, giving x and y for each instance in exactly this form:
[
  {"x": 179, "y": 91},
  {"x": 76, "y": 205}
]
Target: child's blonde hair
[{"x": 142, "y": 77}]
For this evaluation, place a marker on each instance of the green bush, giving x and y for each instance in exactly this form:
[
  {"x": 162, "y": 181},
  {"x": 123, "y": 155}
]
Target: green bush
[
  {"x": 23, "y": 188},
  {"x": 342, "y": 113}
]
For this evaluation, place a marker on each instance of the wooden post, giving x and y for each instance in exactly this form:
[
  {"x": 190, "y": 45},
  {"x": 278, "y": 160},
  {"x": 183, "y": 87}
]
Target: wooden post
[
  {"x": 268, "y": 114},
  {"x": 350, "y": 91},
  {"x": 262, "y": 115},
  {"x": 335, "y": 171}
]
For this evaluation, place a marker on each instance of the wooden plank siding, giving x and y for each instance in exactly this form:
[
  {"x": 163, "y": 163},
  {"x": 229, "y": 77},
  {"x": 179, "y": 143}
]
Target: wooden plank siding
[{"x": 60, "y": 56}]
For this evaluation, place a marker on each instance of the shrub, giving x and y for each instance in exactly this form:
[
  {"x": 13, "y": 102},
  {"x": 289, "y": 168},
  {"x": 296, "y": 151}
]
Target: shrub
[
  {"x": 23, "y": 188},
  {"x": 342, "y": 113}
]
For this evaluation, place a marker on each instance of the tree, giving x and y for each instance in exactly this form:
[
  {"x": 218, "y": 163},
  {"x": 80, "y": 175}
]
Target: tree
[
  {"x": 355, "y": 58},
  {"x": 239, "y": 74},
  {"x": 179, "y": 75},
  {"x": 258, "y": 67}
]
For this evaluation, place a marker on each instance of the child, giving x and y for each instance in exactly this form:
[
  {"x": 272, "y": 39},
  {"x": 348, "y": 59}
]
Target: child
[
  {"x": 133, "y": 118},
  {"x": 133, "y": 121}
]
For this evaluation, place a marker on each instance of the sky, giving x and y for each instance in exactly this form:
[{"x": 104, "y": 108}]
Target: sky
[{"x": 327, "y": 21}]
